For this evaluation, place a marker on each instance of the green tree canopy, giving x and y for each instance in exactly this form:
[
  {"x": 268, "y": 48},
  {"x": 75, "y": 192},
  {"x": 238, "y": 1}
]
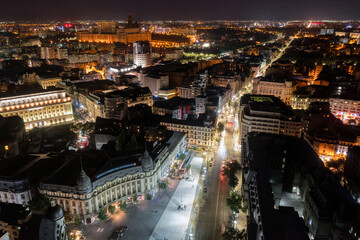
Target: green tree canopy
[
  {"x": 234, "y": 201},
  {"x": 102, "y": 214},
  {"x": 111, "y": 209},
  {"x": 231, "y": 171},
  {"x": 232, "y": 233},
  {"x": 40, "y": 203}
]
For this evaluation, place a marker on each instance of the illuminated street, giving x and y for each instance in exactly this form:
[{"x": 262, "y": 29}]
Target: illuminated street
[{"x": 213, "y": 212}]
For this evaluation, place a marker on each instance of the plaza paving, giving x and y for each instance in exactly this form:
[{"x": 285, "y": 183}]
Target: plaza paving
[
  {"x": 173, "y": 223},
  {"x": 140, "y": 218}
]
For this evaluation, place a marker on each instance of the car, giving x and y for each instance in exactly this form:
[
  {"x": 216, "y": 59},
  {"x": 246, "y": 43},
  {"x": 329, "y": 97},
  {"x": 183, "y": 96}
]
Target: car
[
  {"x": 115, "y": 236},
  {"x": 121, "y": 229}
]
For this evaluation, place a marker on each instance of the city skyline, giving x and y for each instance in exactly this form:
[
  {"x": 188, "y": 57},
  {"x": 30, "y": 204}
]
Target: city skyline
[{"x": 181, "y": 10}]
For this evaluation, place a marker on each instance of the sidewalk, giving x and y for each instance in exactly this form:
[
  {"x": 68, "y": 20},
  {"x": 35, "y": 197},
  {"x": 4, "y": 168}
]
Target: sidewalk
[{"x": 173, "y": 223}]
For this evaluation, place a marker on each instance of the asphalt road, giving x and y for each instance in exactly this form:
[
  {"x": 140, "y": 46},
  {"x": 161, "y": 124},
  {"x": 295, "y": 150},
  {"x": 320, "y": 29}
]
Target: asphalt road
[{"x": 214, "y": 212}]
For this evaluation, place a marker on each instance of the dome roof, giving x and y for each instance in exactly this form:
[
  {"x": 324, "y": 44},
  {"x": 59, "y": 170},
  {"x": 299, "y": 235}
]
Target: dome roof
[
  {"x": 54, "y": 212},
  {"x": 83, "y": 183},
  {"x": 147, "y": 162}
]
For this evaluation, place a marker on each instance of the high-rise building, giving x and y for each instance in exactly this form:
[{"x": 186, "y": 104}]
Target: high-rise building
[{"x": 142, "y": 54}]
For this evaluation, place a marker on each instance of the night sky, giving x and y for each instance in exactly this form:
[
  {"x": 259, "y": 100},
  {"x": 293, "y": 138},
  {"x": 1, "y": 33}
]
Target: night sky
[{"x": 179, "y": 10}]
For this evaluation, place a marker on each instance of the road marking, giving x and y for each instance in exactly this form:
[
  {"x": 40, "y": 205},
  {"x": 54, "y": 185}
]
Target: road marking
[{"x": 216, "y": 211}]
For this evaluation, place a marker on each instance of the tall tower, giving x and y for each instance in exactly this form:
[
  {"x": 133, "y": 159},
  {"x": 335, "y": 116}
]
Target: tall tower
[{"x": 142, "y": 54}]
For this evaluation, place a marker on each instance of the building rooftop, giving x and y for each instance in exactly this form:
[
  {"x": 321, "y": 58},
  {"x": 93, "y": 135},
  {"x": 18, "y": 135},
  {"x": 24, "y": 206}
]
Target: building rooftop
[
  {"x": 174, "y": 103},
  {"x": 26, "y": 90},
  {"x": 262, "y": 105}
]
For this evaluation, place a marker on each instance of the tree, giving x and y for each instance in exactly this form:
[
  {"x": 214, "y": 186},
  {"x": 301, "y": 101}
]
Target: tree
[
  {"x": 234, "y": 201},
  {"x": 148, "y": 196},
  {"x": 77, "y": 220},
  {"x": 163, "y": 184},
  {"x": 232, "y": 233},
  {"x": 39, "y": 204},
  {"x": 233, "y": 181},
  {"x": 135, "y": 197},
  {"x": 221, "y": 127},
  {"x": 123, "y": 206},
  {"x": 111, "y": 209},
  {"x": 231, "y": 171},
  {"x": 102, "y": 214}
]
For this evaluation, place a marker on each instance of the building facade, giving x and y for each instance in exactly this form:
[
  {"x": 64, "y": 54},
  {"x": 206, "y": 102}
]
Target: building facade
[
  {"x": 280, "y": 89},
  {"x": 200, "y": 132},
  {"x": 267, "y": 114},
  {"x": 142, "y": 54},
  {"x": 48, "y": 82},
  {"x": 15, "y": 191},
  {"x": 117, "y": 184},
  {"x": 345, "y": 108},
  {"x": 39, "y": 108}
]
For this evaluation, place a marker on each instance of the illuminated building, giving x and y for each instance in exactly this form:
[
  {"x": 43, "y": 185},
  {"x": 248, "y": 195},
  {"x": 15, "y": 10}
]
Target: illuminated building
[
  {"x": 112, "y": 103},
  {"x": 89, "y": 57},
  {"x": 117, "y": 178},
  {"x": 314, "y": 73},
  {"x": 48, "y": 82},
  {"x": 167, "y": 93},
  {"x": 155, "y": 82},
  {"x": 329, "y": 137},
  {"x": 142, "y": 54},
  {"x": 345, "y": 109},
  {"x": 38, "y": 108},
  {"x": 176, "y": 107},
  {"x": 97, "y": 37},
  {"x": 277, "y": 88},
  {"x": 47, "y": 53},
  {"x": 199, "y": 131},
  {"x": 268, "y": 114},
  {"x": 299, "y": 102},
  {"x": 106, "y": 27},
  {"x": 224, "y": 80},
  {"x": 303, "y": 97},
  {"x": 196, "y": 88},
  {"x": 129, "y": 34},
  {"x": 52, "y": 53}
]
